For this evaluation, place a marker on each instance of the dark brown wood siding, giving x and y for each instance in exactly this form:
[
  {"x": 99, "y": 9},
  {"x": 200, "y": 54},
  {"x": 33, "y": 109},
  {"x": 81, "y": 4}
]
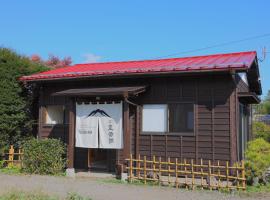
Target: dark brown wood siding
[{"x": 212, "y": 96}]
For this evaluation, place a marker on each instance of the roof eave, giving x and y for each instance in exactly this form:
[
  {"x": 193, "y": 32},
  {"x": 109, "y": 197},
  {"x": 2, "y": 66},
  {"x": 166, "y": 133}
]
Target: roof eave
[{"x": 239, "y": 69}]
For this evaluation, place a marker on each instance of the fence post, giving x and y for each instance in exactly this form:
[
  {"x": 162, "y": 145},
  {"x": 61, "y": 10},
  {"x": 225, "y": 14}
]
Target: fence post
[
  {"x": 209, "y": 175},
  {"x": 192, "y": 174},
  {"x": 218, "y": 174},
  {"x": 243, "y": 175},
  {"x": 154, "y": 167},
  {"x": 11, "y": 156},
  {"x": 20, "y": 157},
  {"x": 130, "y": 168},
  {"x": 185, "y": 164},
  {"x": 176, "y": 172},
  {"x": 169, "y": 169},
  {"x": 237, "y": 175},
  {"x": 159, "y": 170},
  {"x": 227, "y": 174},
  {"x": 139, "y": 167},
  {"x": 144, "y": 169},
  {"x": 201, "y": 173}
]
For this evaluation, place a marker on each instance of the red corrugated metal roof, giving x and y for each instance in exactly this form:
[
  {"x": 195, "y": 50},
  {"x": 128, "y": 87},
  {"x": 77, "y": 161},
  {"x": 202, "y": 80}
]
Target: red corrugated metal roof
[{"x": 217, "y": 62}]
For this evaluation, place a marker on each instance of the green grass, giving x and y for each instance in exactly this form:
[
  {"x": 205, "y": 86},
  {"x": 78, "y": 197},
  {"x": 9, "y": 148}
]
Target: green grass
[
  {"x": 259, "y": 189},
  {"x": 11, "y": 170},
  {"x": 17, "y": 195}
]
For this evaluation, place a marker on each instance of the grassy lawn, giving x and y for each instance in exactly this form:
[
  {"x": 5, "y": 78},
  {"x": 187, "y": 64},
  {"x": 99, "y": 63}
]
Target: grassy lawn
[
  {"x": 259, "y": 189},
  {"x": 11, "y": 170},
  {"x": 251, "y": 190},
  {"x": 15, "y": 195}
]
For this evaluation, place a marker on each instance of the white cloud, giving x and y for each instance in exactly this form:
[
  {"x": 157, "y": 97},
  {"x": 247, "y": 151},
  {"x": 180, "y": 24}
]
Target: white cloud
[{"x": 91, "y": 58}]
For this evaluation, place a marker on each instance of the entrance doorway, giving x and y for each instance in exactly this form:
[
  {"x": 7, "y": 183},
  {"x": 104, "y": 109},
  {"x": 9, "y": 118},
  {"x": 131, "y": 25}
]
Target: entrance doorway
[{"x": 97, "y": 159}]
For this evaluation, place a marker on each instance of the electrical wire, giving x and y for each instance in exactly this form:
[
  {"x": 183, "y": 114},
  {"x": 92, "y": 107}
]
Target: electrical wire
[{"x": 217, "y": 45}]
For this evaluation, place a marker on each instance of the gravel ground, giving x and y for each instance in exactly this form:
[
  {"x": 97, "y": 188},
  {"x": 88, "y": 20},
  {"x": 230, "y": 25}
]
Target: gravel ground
[{"x": 102, "y": 190}]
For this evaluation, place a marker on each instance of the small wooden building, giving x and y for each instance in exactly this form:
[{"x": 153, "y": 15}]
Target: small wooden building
[{"x": 191, "y": 107}]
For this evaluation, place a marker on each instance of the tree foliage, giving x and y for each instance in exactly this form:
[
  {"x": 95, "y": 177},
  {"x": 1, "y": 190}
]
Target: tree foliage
[
  {"x": 257, "y": 158},
  {"x": 261, "y": 130},
  {"x": 15, "y": 100},
  {"x": 264, "y": 107},
  {"x": 53, "y": 61}
]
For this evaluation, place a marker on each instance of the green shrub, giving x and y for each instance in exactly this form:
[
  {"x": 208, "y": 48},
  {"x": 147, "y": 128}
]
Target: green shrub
[
  {"x": 261, "y": 130},
  {"x": 257, "y": 158},
  {"x": 46, "y": 156}
]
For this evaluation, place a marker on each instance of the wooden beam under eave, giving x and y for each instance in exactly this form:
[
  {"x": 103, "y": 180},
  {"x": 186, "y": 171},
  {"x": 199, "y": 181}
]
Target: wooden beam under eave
[
  {"x": 127, "y": 135},
  {"x": 71, "y": 135}
]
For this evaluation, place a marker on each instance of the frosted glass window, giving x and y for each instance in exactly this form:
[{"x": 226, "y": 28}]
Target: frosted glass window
[
  {"x": 54, "y": 114},
  {"x": 154, "y": 118}
]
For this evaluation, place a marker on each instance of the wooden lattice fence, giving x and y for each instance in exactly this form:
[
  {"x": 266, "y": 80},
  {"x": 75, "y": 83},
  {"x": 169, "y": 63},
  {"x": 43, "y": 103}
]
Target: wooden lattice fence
[
  {"x": 188, "y": 174},
  {"x": 13, "y": 158}
]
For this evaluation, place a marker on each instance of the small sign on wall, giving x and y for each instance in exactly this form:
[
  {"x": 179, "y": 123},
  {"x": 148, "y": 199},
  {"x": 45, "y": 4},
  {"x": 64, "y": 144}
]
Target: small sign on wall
[{"x": 99, "y": 126}]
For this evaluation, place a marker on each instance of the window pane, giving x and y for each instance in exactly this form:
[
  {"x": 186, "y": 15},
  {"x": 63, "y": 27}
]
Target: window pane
[
  {"x": 181, "y": 117},
  {"x": 55, "y": 114},
  {"x": 154, "y": 118}
]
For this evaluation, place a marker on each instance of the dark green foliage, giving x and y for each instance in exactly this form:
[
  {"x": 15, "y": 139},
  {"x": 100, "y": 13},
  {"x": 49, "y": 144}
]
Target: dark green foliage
[
  {"x": 261, "y": 130},
  {"x": 46, "y": 156},
  {"x": 257, "y": 158},
  {"x": 15, "y": 100},
  {"x": 264, "y": 107}
]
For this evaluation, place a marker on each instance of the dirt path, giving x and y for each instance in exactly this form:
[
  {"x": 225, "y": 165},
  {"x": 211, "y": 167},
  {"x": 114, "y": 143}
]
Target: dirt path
[{"x": 100, "y": 190}]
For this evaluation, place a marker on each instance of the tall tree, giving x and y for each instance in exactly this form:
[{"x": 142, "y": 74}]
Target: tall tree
[
  {"x": 52, "y": 61},
  {"x": 15, "y": 100}
]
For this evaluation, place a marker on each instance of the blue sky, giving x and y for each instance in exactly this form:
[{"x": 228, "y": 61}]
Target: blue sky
[{"x": 128, "y": 30}]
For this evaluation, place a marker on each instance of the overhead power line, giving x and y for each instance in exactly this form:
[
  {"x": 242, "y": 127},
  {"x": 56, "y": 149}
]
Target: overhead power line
[{"x": 217, "y": 45}]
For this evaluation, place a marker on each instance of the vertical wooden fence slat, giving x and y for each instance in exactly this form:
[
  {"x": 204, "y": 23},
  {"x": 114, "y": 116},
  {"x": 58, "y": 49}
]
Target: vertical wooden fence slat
[
  {"x": 176, "y": 172},
  {"x": 169, "y": 169},
  {"x": 218, "y": 174},
  {"x": 201, "y": 167},
  {"x": 11, "y": 156},
  {"x": 144, "y": 169},
  {"x": 192, "y": 174},
  {"x": 139, "y": 167},
  {"x": 237, "y": 174},
  {"x": 227, "y": 175},
  {"x": 243, "y": 175},
  {"x": 209, "y": 175},
  {"x": 185, "y": 164},
  {"x": 159, "y": 170},
  {"x": 131, "y": 168},
  {"x": 154, "y": 167}
]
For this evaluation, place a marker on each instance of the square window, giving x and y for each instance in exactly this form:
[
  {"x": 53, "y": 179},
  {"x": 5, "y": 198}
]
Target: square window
[
  {"x": 181, "y": 118},
  {"x": 54, "y": 114},
  {"x": 155, "y": 118}
]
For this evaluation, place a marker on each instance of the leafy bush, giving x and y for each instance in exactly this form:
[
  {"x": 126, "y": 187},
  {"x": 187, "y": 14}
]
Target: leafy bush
[
  {"x": 257, "y": 159},
  {"x": 46, "y": 156},
  {"x": 261, "y": 130}
]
